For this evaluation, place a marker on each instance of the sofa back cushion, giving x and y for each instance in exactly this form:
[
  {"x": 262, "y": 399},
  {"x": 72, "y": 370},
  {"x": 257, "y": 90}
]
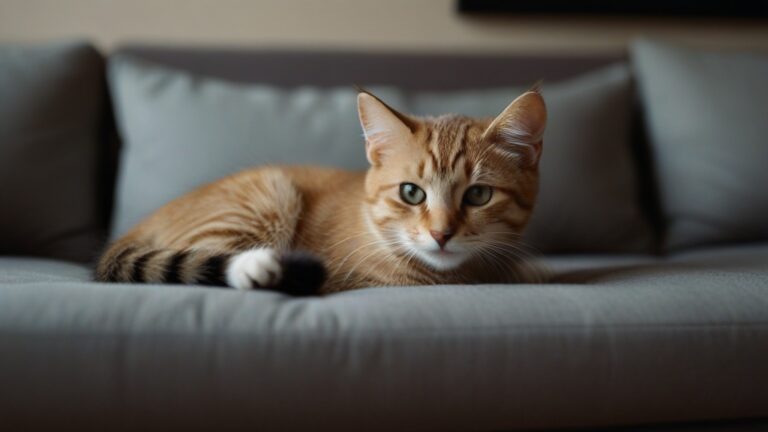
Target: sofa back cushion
[
  {"x": 52, "y": 104},
  {"x": 422, "y": 70},
  {"x": 707, "y": 115},
  {"x": 181, "y": 130}
]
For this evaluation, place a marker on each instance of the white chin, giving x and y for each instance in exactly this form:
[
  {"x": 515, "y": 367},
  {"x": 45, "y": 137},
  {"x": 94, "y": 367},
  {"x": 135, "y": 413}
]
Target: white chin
[{"x": 442, "y": 261}]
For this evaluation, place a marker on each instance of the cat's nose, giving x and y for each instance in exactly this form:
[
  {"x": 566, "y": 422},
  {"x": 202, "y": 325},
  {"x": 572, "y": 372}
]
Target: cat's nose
[{"x": 441, "y": 237}]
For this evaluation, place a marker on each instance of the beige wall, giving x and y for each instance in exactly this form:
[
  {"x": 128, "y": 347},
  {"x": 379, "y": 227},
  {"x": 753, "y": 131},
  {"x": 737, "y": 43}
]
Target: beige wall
[{"x": 369, "y": 24}]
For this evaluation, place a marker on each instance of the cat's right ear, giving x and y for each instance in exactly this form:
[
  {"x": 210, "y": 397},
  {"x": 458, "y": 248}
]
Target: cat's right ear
[{"x": 384, "y": 128}]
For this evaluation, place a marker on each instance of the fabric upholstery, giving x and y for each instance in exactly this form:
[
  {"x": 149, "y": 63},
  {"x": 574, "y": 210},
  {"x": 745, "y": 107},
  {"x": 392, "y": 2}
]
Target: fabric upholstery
[
  {"x": 616, "y": 341},
  {"x": 52, "y": 107},
  {"x": 588, "y": 196},
  {"x": 706, "y": 115}
]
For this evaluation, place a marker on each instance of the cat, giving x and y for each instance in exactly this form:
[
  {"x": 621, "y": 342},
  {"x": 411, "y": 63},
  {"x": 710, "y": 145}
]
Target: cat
[{"x": 445, "y": 200}]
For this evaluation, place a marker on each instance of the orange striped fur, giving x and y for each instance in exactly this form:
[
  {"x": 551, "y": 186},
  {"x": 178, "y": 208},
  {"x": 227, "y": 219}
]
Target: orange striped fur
[{"x": 237, "y": 230}]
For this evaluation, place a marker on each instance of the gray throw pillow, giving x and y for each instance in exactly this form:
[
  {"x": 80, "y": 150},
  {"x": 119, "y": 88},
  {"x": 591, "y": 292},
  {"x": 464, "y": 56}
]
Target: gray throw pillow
[
  {"x": 181, "y": 131},
  {"x": 52, "y": 100},
  {"x": 707, "y": 114}
]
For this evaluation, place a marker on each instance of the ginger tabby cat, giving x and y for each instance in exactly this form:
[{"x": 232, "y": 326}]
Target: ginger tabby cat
[{"x": 444, "y": 201}]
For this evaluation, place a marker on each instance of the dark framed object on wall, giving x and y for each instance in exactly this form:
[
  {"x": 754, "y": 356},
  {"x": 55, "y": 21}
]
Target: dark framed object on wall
[{"x": 677, "y": 8}]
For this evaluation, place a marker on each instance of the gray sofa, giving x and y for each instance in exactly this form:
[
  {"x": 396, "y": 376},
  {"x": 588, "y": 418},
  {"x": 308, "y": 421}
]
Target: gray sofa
[{"x": 653, "y": 314}]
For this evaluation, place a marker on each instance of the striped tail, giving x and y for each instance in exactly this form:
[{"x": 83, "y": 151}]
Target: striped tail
[
  {"x": 142, "y": 264},
  {"x": 301, "y": 273}
]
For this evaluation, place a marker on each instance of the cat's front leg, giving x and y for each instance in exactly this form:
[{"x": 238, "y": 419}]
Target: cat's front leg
[
  {"x": 294, "y": 273},
  {"x": 255, "y": 268}
]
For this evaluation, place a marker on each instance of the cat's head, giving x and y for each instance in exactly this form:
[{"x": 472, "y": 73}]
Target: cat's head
[{"x": 442, "y": 189}]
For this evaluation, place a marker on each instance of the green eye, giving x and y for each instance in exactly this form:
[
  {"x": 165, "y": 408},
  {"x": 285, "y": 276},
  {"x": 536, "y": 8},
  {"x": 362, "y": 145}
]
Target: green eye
[
  {"x": 412, "y": 194},
  {"x": 478, "y": 195}
]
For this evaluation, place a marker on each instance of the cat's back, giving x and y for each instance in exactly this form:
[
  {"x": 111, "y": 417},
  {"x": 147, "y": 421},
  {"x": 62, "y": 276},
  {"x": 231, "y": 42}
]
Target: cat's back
[
  {"x": 314, "y": 179},
  {"x": 308, "y": 180},
  {"x": 321, "y": 190},
  {"x": 258, "y": 190}
]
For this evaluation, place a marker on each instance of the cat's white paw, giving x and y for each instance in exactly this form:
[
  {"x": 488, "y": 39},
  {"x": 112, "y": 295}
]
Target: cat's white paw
[{"x": 256, "y": 268}]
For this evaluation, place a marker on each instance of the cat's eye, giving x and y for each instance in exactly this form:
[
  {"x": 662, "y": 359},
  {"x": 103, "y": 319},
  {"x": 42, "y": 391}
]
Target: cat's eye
[
  {"x": 478, "y": 195},
  {"x": 412, "y": 194}
]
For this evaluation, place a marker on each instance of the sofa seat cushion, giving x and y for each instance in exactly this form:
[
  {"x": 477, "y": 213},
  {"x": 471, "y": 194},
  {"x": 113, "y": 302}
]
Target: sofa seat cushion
[
  {"x": 616, "y": 341},
  {"x": 748, "y": 260}
]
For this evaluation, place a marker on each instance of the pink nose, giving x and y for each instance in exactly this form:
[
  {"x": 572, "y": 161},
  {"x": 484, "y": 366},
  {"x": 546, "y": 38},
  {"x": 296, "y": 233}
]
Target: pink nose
[{"x": 441, "y": 237}]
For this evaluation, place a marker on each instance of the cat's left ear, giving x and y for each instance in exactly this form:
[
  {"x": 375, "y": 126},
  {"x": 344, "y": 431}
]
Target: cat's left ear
[
  {"x": 518, "y": 131},
  {"x": 385, "y": 129}
]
